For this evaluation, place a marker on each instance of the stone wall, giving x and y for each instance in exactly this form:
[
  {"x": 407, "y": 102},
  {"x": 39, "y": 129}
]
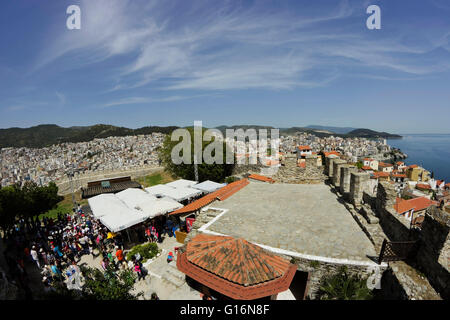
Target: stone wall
[
  {"x": 375, "y": 214},
  {"x": 358, "y": 185},
  {"x": 345, "y": 180},
  {"x": 81, "y": 180},
  {"x": 319, "y": 269},
  {"x": 337, "y": 165},
  {"x": 396, "y": 227},
  {"x": 329, "y": 164},
  {"x": 434, "y": 251},
  {"x": 291, "y": 173}
]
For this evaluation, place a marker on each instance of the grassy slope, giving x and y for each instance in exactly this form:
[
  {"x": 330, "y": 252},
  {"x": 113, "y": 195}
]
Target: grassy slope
[
  {"x": 64, "y": 206},
  {"x": 154, "y": 179}
]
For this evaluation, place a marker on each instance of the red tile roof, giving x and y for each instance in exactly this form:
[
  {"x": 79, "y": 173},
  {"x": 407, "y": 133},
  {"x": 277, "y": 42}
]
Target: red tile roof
[
  {"x": 220, "y": 194},
  {"x": 366, "y": 168},
  {"x": 418, "y": 204},
  {"x": 260, "y": 178},
  {"x": 379, "y": 174},
  {"x": 399, "y": 163},
  {"x": 384, "y": 164},
  {"x": 423, "y": 186},
  {"x": 439, "y": 182},
  {"x": 398, "y": 175},
  {"x": 304, "y": 148},
  {"x": 235, "y": 267},
  {"x": 326, "y": 154},
  {"x": 413, "y": 166}
]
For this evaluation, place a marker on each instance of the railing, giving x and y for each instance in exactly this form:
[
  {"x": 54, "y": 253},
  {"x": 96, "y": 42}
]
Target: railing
[{"x": 396, "y": 250}]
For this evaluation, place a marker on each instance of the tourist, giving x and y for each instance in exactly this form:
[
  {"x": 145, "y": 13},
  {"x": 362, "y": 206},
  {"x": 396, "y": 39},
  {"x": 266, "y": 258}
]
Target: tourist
[
  {"x": 35, "y": 257},
  {"x": 105, "y": 263},
  {"x": 138, "y": 270},
  {"x": 170, "y": 257},
  {"x": 119, "y": 255},
  {"x": 56, "y": 272},
  {"x": 154, "y": 296}
]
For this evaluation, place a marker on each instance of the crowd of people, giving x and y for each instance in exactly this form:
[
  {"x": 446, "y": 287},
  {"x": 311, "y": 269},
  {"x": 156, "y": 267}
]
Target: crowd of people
[{"x": 55, "y": 246}]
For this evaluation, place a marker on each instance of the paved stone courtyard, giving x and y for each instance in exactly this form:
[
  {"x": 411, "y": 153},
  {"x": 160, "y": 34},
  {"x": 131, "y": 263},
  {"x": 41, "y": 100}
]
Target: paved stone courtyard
[{"x": 306, "y": 219}]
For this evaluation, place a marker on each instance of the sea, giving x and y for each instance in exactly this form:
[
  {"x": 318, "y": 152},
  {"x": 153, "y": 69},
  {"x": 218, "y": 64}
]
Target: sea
[{"x": 430, "y": 151}]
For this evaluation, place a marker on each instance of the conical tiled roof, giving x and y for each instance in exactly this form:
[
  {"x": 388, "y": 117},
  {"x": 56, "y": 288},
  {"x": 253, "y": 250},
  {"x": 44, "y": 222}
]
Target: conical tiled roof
[{"x": 233, "y": 265}]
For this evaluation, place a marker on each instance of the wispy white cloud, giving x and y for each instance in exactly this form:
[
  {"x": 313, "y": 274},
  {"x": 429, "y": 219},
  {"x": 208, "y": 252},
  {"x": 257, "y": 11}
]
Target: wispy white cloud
[
  {"x": 16, "y": 108},
  {"x": 147, "y": 100},
  {"x": 231, "y": 46}
]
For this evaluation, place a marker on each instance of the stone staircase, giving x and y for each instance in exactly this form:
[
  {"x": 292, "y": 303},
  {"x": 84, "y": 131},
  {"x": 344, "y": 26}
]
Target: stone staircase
[{"x": 173, "y": 276}]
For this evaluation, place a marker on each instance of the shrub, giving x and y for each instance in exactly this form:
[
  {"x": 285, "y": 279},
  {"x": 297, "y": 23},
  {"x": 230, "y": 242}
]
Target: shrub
[
  {"x": 231, "y": 179},
  {"x": 146, "y": 251},
  {"x": 343, "y": 286},
  {"x": 108, "y": 285}
]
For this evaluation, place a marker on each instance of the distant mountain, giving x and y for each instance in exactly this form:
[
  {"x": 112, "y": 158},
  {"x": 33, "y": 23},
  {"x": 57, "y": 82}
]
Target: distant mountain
[
  {"x": 49, "y": 134},
  {"x": 367, "y": 133},
  {"x": 320, "y": 131},
  {"x": 340, "y": 130}
]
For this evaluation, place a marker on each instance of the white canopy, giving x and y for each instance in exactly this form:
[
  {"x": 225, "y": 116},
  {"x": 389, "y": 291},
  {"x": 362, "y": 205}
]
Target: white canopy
[
  {"x": 133, "y": 196},
  {"x": 129, "y": 207},
  {"x": 209, "y": 186},
  {"x": 114, "y": 213},
  {"x": 104, "y": 204},
  {"x": 178, "y": 194},
  {"x": 158, "y": 207},
  {"x": 117, "y": 221},
  {"x": 181, "y": 183}
]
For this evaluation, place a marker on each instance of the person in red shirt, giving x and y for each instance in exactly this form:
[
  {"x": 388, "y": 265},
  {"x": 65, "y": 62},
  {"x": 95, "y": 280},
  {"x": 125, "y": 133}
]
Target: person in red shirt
[{"x": 119, "y": 255}]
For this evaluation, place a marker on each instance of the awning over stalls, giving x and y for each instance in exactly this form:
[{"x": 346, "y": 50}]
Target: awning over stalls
[
  {"x": 104, "y": 204},
  {"x": 148, "y": 204},
  {"x": 181, "y": 183},
  {"x": 132, "y": 197},
  {"x": 177, "y": 194},
  {"x": 114, "y": 213},
  {"x": 118, "y": 221},
  {"x": 234, "y": 267},
  {"x": 209, "y": 186}
]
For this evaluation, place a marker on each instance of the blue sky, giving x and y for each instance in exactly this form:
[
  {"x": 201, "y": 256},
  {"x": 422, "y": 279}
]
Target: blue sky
[{"x": 280, "y": 63}]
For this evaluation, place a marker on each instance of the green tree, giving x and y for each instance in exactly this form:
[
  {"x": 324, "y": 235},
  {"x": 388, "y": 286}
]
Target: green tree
[
  {"x": 359, "y": 164},
  {"x": 214, "y": 172},
  {"x": 108, "y": 285},
  {"x": 27, "y": 201},
  {"x": 343, "y": 286},
  {"x": 11, "y": 204}
]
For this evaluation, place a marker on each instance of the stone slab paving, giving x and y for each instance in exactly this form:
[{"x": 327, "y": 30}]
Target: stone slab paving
[{"x": 306, "y": 219}]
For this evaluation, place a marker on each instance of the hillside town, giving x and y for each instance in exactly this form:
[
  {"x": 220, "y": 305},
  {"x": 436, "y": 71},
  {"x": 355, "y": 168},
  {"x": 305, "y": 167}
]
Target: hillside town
[
  {"x": 53, "y": 163},
  {"x": 42, "y": 165}
]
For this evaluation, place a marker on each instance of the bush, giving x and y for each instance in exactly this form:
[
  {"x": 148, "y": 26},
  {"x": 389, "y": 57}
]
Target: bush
[
  {"x": 343, "y": 286},
  {"x": 147, "y": 251},
  {"x": 108, "y": 285},
  {"x": 231, "y": 179}
]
